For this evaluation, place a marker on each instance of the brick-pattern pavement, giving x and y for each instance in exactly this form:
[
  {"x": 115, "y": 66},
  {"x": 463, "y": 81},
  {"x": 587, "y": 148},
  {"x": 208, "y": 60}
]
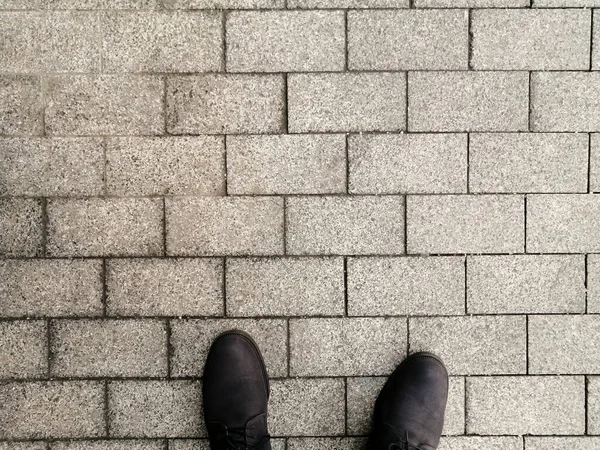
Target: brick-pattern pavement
[{"x": 349, "y": 181}]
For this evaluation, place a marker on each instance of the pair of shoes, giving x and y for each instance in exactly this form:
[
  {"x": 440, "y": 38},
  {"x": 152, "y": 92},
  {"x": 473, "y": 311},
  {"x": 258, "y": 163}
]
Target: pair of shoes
[{"x": 409, "y": 411}]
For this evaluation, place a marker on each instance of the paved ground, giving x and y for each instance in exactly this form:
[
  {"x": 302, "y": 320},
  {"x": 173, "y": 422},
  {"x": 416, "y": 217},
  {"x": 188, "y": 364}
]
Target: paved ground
[{"x": 348, "y": 180}]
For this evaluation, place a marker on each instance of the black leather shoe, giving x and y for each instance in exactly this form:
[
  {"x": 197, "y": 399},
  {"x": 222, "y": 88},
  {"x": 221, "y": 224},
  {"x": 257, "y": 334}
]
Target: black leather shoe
[
  {"x": 409, "y": 412},
  {"x": 235, "y": 392}
]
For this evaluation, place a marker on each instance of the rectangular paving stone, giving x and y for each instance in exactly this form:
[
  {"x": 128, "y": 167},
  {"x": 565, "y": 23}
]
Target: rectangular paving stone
[
  {"x": 21, "y": 227},
  {"x": 525, "y": 405},
  {"x": 225, "y": 104},
  {"x": 564, "y": 344},
  {"x": 190, "y": 444},
  {"x": 224, "y": 226},
  {"x": 347, "y": 4},
  {"x": 285, "y": 41},
  {"x": 286, "y": 164},
  {"x": 51, "y": 410},
  {"x": 331, "y": 102},
  {"x": 21, "y": 107},
  {"x": 327, "y": 443},
  {"x": 501, "y": 343},
  {"x": 105, "y": 227},
  {"x": 153, "y": 409},
  {"x": 595, "y": 35},
  {"x": 471, "y": 3},
  {"x": 554, "y": 442},
  {"x": 162, "y": 42},
  {"x": 566, "y": 223},
  {"x": 407, "y": 163},
  {"x": 285, "y": 287},
  {"x": 345, "y": 225},
  {"x": 362, "y": 393},
  {"x": 203, "y": 444},
  {"x": 47, "y": 287},
  {"x": 566, "y": 101},
  {"x": 224, "y": 4},
  {"x": 23, "y": 351},
  {"x": 307, "y": 407},
  {"x": 521, "y": 284},
  {"x": 164, "y": 287},
  {"x": 20, "y": 4},
  {"x": 172, "y": 165},
  {"x": 564, "y": 3},
  {"x": 528, "y": 162},
  {"x": 50, "y": 41},
  {"x": 593, "y": 403},
  {"x": 191, "y": 339},
  {"x": 405, "y": 286},
  {"x": 99, "y": 4},
  {"x": 104, "y": 104},
  {"x": 595, "y": 162},
  {"x": 408, "y": 40},
  {"x": 346, "y": 347},
  {"x": 554, "y": 40},
  {"x": 52, "y": 167},
  {"x": 23, "y": 445},
  {"x": 465, "y": 224},
  {"x": 593, "y": 286},
  {"x": 109, "y": 348},
  {"x": 468, "y": 101},
  {"x": 121, "y": 444},
  {"x": 481, "y": 442}
]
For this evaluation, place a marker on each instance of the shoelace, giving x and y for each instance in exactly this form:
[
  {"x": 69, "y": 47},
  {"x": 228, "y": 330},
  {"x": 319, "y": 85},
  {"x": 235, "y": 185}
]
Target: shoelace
[
  {"x": 403, "y": 444},
  {"x": 236, "y": 440}
]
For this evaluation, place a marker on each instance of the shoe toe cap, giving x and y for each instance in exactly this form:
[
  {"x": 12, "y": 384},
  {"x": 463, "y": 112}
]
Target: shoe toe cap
[{"x": 234, "y": 377}]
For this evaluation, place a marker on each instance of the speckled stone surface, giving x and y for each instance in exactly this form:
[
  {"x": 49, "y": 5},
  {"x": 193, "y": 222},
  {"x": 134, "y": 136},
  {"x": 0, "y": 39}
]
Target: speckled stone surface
[
  {"x": 348, "y": 181},
  {"x": 522, "y": 162},
  {"x": 155, "y": 408},
  {"x": 406, "y": 286},
  {"x": 285, "y": 287},
  {"x": 465, "y": 224},
  {"x": 105, "y": 226},
  {"x": 173, "y": 287},
  {"x": 517, "y": 284},
  {"x": 52, "y": 167},
  {"x": 565, "y": 101},
  {"x": 51, "y": 409},
  {"x": 345, "y": 225},
  {"x": 21, "y": 108},
  {"x": 277, "y": 41},
  {"x": 497, "y": 344},
  {"x": 309, "y": 406},
  {"x": 159, "y": 166},
  {"x": 51, "y": 288},
  {"x": 191, "y": 339},
  {"x": 111, "y": 348},
  {"x": 286, "y": 164},
  {"x": 468, "y": 101},
  {"x": 23, "y": 349},
  {"x": 204, "y": 226},
  {"x": 525, "y": 405},
  {"x": 555, "y": 39},
  {"x": 407, "y": 163},
  {"x": 321, "y": 102},
  {"x": 339, "y": 347},
  {"x": 21, "y": 227},
  {"x": 408, "y": 40}
]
